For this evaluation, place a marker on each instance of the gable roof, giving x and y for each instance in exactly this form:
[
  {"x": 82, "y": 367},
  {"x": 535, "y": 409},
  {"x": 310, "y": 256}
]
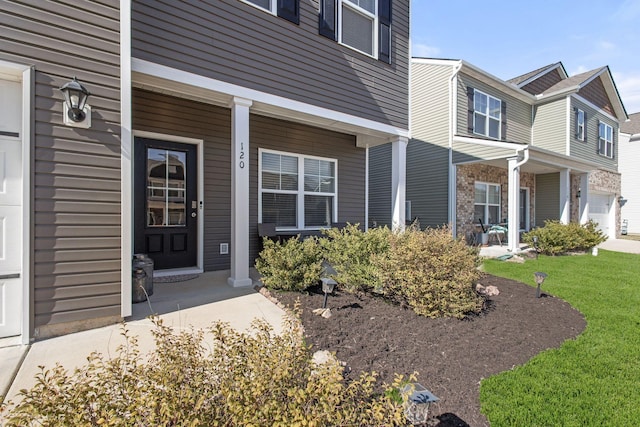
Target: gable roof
[
  {"x": 536, "y": 74},
  {"x": 632, "y": 126},
  {"x": 574, "y": 83}
]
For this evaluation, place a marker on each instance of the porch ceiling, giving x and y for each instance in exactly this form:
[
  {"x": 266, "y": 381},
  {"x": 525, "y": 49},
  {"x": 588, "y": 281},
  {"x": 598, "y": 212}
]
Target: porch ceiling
[{"x": 367, "y": 132}]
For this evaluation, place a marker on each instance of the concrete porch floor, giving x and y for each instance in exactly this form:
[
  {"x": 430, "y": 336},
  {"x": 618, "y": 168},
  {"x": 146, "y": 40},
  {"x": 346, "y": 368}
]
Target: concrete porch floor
[{"x": 195, "y": 303}]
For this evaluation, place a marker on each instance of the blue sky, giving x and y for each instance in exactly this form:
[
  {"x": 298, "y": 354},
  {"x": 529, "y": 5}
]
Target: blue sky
[{"x": 510, "y": 38}]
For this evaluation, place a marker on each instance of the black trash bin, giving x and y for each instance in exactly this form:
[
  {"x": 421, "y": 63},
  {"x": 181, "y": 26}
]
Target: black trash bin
[{"x": 142, "y": 285}]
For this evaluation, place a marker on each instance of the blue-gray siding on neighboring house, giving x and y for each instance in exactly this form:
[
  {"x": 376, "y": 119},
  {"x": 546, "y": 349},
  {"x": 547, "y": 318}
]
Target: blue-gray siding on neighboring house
[
  {"x": 217, "y": 39},
  {"x": 428, "y": 152}
]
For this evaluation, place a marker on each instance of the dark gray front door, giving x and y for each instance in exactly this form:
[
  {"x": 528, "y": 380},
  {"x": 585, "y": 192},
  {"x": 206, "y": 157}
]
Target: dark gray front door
[{"x": 165, "y": 202}]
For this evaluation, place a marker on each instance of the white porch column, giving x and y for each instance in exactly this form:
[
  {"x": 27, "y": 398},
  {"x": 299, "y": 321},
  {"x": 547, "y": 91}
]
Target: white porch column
[
  {"x": 398, "y": 182},
  {"x": 240, "y": 193},
  {"x": 584, "y": 198},
  {"x": 513, "y": 201},
  {"x": 565, "y": 194}
]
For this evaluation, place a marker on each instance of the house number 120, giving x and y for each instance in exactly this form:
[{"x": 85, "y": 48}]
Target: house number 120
[{"x": 241, "y": 164}]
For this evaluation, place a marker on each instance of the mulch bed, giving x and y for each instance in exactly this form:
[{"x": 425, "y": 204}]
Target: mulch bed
[{"x": 451, "y": 356}]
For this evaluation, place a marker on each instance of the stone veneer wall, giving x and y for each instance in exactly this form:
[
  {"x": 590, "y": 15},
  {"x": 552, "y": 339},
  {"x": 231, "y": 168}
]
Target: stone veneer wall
[
  {"x": 465, "y": 189},
  {"x": 604, "y": 181}
]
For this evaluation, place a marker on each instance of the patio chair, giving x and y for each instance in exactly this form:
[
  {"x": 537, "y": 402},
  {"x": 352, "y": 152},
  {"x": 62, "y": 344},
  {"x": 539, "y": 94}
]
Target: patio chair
[{"x": 498, "y": 232}]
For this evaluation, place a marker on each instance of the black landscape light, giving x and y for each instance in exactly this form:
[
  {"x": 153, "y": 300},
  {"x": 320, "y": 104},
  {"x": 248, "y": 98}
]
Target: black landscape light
[
  {"x": 328, "y": 285},
  {"x": 539, "y": 276}
]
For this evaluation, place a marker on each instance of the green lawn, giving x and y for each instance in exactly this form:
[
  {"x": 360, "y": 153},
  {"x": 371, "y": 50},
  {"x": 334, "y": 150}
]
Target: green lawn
[{"x": 593, "y": 380}]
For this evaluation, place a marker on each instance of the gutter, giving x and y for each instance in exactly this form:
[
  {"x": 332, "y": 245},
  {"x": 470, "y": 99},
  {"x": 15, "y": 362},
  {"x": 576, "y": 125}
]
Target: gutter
[{"x": 452, "y": 178}]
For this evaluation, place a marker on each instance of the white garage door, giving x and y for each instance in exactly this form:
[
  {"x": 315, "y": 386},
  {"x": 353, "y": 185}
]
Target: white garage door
[
  {"x": 600, "y": 211},
  {"x": 10, "y": 209}
]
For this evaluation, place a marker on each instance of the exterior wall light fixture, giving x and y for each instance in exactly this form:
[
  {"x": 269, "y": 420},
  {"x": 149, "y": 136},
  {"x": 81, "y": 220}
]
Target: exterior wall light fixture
[
  {"x": 77, "y": 112},
  {"x": 578, "y": 194}
]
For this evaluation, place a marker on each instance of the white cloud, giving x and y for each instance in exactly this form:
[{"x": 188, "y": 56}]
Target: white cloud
[
  {"x": 605, "y": 45},
  {"x": 421, "y": 50},
  {"x": 628, "y": 85},
  {"x": 628, "y": 11},
  {"x": 579, "y": 70}
]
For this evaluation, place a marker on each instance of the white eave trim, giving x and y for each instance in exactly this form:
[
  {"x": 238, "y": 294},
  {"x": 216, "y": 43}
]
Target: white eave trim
[
  {"x": 489, "y": 142},
  {"x": 270, "y": 104}
]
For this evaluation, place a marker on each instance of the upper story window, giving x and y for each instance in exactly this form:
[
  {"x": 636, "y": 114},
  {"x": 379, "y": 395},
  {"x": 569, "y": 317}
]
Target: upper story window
[
  {"x": 605, "y": 140},
  {"x": 580, "y": 125},
  {"x": 363, "y": 25},
  {"x": 358, "y": 24},
  {"x": 296, "y": 191},
  {"x": 287, "y": 9},
  {"x": 487, "y": 115}
]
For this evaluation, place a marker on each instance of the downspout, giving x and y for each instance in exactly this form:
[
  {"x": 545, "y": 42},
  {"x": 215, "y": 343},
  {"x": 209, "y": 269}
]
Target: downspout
[
  {"x": 514, "y": 199},
  {"x": 452, "y": 178}
]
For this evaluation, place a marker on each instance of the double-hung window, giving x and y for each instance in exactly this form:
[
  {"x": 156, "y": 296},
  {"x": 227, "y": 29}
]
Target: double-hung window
[
  {"x": 605, "y": 140},
  {"x": 358, "y": 22},
  {"x": 287, "y": 9},
  {"x": 297, "y": 192},
  {"x": 487, "y": 115},
  {"x": 580, "y": 129},
  {"x": 487, "y": 203}
]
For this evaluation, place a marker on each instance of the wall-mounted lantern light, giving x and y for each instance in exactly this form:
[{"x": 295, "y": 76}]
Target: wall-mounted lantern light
[
  {"x": 76, "y": 110},
  {"x": 578, "y": 194},
  {"x": 539, "y": 276}
]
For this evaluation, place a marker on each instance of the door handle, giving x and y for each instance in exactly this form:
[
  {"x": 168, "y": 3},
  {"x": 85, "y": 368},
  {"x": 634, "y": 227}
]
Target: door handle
[
  {"x": 193, "y": 214},
  {"x": 9, "y": 276}
]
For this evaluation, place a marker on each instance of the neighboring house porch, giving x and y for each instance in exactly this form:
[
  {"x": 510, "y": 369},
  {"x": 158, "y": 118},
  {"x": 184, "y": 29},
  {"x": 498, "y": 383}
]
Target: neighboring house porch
[{"x": 548, "y": 186}]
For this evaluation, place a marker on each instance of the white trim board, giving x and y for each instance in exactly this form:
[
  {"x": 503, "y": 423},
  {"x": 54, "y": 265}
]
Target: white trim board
[{"x": 265, "y": 102}]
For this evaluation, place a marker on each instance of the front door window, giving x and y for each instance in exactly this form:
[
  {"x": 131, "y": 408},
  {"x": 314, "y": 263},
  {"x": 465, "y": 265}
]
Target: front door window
[{"x": 166, "y": 179}]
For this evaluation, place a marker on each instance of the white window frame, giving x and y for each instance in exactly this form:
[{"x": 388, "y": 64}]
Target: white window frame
[
  {"x": 580, "y": 125},
  {"x": 486, "y": 203},
  {"x": 273, "y": 6},
  {"x": 486, "y": 115},
  {"x": 605, "y": 141},
  {"x": 351, "y": 4},
  {"x": 300, "y": 192}
]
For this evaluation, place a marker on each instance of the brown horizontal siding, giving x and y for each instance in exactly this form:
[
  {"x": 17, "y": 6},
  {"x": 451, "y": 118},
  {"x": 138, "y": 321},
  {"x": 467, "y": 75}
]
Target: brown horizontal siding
[
  {"x": 76, "y": 172},
  {"x": 218, "y": 40},
  {"x": 543, "y": 83},
  {"x": 597, "y": 95}
]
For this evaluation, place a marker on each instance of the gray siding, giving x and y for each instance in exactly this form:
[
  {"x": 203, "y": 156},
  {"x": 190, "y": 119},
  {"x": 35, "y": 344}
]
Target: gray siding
[
  {"x": 550, "y": 126},
  {"x": 428, "y": 183},
  {"x": 76, "y": 172},
  {"x": 427, "y": 152},
  {"x": 518, "y": 112},
  {"x": 547, "y": 197},
  {"x": 219, "y": 39},
  {"x": 380, "y": 185},
  {"x": 588, "y": 150}
]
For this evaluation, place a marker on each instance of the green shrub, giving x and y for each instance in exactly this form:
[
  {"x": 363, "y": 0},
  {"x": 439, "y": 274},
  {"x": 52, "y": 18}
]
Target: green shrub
[
  {"x": 557, "y": 238},
  {"x": 431, "y": 272},
  {"x": 293, "y": 265},
  {"x": 349, "y": 252},
  {"x": 256, "y": 378}
]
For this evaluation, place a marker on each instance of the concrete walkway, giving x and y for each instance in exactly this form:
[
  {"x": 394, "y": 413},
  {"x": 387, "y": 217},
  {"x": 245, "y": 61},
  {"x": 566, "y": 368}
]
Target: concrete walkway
[
  {"x": 621, "y": 245},
  {"x": 194, "y": 303}
]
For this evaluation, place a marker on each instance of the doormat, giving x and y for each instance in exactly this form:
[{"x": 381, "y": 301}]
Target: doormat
[{"x": 175, "y": 278}]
